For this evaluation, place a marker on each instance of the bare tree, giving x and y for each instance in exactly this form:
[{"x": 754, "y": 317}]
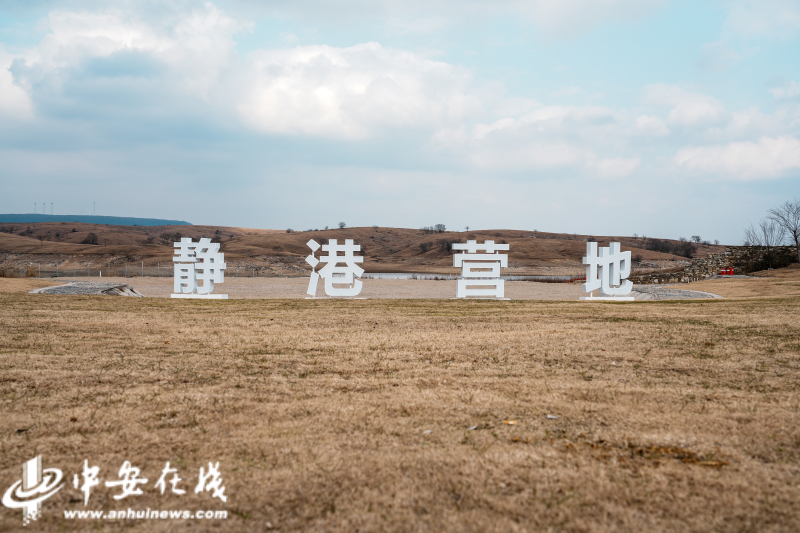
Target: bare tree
[
  {"x": 716, "y": 241},
  {"x": 440, "y": 228},
  {"x": 696, "y": 239},
  {"x": 342, "y": 225},
  {"x": 787, "y": 216},
  {"x": 768, "y": 235}
]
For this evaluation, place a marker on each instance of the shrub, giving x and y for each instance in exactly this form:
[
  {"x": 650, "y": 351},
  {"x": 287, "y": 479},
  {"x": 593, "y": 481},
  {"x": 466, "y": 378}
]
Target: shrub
[
  {"x": 91, "y": 239},
  {"x": 685, "y": 249},
  {"x": 169, "y": 238},
  {"x": 447, "y": 244}
]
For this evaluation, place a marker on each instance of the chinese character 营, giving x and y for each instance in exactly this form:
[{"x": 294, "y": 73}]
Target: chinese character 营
[{"x": 480, "y": 269}]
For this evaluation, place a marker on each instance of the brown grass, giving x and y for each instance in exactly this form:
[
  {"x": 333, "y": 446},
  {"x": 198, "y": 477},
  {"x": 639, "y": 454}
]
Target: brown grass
[
  {"x": 778, "y": 283},
  {"x": 25, "y": 285},
  {"x": 356, "y": 415}
]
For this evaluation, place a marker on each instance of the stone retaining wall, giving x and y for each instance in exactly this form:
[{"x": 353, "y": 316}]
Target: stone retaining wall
[{"x": 737, "y": 257}]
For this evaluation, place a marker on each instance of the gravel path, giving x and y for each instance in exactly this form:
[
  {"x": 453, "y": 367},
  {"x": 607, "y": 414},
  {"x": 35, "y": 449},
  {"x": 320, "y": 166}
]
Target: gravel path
[
  {"x": 90, "y": 288},
  {"x": 667, "y": 292},
  {"x": 295, "y": 288}
]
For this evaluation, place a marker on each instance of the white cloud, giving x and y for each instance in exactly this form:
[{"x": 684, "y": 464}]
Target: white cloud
[
  {"x": 616, "y": 167},
  {"x": 691, "y": 110},
  {"x": 352, "y": 92},
  {"x": 550, "y": 119},
  {"x": 564, "y": 18},
  {"x": 768, "y": 158},
  {"x": 717, "y": 56},
  {"x": 533, "y": 156},
  {"x": 567, "y": 91},
  {"x": 769, "y": 18},
  {"x": 366, "y": 92},
  {"x": 570, "y": 17},
  {"x": 697, "y": 113},
  {"x": 196, "y": 45},
  {"x": 651, "y": 125},
  {"x": 14, "y": 101},
  {"x": 791, "y": 90},
  {"x": 550, "y": 137}
]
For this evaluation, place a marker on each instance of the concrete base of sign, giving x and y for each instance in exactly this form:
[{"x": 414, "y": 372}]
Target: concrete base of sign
[
  {"x": 202, "y": 296},
  {"x": 333, "y": 298},
  {"x": 477, "y": 298},
  {"x": 608, "y": 298}
]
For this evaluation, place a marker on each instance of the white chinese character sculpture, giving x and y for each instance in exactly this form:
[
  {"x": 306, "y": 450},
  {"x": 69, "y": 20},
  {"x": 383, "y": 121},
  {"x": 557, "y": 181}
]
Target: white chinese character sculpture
[
  {"x": 333, "y": 274},
  {"x": 198, "y": 261},
  {"x": 607, "y": 272},
  {"x": 489, "y": 265}
]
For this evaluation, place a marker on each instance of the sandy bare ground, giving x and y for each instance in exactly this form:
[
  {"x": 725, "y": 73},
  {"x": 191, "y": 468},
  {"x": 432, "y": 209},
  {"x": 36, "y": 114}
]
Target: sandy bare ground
[{"x": 237, "y": 288}]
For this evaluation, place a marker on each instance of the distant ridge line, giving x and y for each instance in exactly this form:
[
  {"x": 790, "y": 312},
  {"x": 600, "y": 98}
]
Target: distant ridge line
[{"x": 90, "y": 219}]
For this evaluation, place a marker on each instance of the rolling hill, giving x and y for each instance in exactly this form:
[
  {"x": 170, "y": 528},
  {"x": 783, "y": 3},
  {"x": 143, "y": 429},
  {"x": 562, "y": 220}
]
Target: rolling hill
[{"x": 279, "y": 252}]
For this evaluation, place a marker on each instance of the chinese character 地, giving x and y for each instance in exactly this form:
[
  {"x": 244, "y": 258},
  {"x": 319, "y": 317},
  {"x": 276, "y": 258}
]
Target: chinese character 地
[
  {"x": 198, "y": 261},
  {"x": 331, "y": 272},
  {"x": 480, "y": 269},
  {"x": 607, "y": 271}
]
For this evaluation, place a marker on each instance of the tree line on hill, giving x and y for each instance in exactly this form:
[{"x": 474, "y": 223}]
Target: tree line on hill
[
  {"x": 780, "y": 227},
  {"x": 683, "y": 247}
]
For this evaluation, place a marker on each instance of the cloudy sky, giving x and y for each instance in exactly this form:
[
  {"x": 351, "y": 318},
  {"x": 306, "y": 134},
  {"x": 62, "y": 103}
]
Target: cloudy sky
[{"x": 660, "y": 117}]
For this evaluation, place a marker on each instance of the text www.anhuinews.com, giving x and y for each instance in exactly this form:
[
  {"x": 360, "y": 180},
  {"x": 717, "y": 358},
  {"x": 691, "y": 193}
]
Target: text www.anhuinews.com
[{"x": 151, "y": 514}]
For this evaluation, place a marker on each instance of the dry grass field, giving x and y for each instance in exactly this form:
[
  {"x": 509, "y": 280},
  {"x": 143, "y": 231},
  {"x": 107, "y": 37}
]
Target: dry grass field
[{"x": 410, "y": 415}]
